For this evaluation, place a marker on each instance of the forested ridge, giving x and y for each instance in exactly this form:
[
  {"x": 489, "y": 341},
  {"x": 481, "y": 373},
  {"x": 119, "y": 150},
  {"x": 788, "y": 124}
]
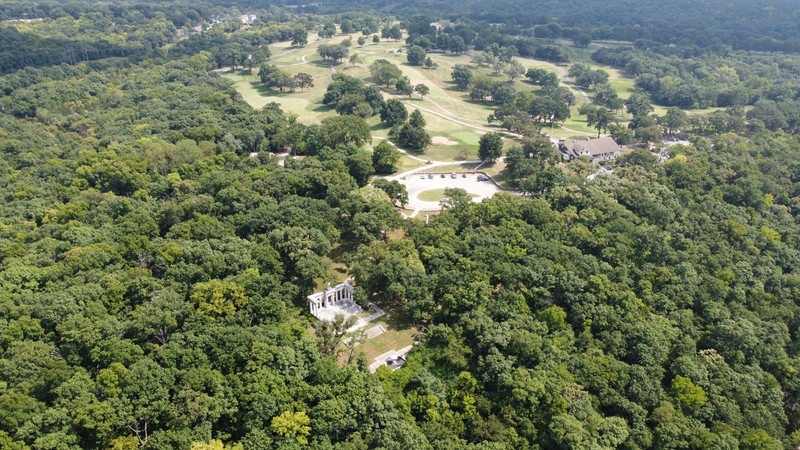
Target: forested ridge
[
  {"x": 155, "y": 259},
  {"x": 751, "y": 25}
]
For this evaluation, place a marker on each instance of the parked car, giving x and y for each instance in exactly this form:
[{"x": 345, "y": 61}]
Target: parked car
[
  {"x": 422, "y": 177},
  {"x": 453, "y": 175},
  {"x": 482, "y": 178},
  {"x": 430, "y": 176},
  {"x": 442, "y": 175},
  {"x": 463, "y": 175}
]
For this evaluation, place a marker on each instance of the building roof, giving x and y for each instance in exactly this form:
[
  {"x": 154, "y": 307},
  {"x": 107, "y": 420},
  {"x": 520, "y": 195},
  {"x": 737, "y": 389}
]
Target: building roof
[{"x": 593, "y": 147}]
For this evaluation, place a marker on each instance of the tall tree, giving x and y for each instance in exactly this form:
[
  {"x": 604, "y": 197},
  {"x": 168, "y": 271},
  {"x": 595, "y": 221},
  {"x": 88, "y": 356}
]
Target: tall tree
[
  {"x": 416, "y": 55},
  {"x": 422, "y": 90},
  {"x": 299, "y": 36},
  {"x": 462, "y": 76},
  {"x": 490, "y": 147},
  {"x": 597, "y": 117},
  {"x": 385, "y": 158}
]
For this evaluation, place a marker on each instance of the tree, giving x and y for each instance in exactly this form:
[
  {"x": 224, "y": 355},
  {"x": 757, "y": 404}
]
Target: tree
[
  {"x": 403, "y": 86},
  {"x": 267, "y": 72},
  {"x": 688, "y": 394},
  {"x": 332, "y": 52},
  {"x": 582, "y": 40},
  {"x": 416, "y": 55},
  {"x": 392, "y": 32},
  {"x": 456, "y": 199},
  {"x": 417, "y": 120},
  {"x": 414, "y": 137},
  {"x": 641, "y": 158},
  {"x": 349, "y": 129},
  {"x": 394, "y": 113},
  {"x": 376, "y": 39},
  {"x": 393, "y": 188},
  {"x": 638, "y": 105},
  {"x": 355, "y": 59},
  {"x": 303, "y": 80},
  {"x": 422, "y": 90},
  {"x": 385, "y": 158},
  {"x": 385, "y": 73},
  {"x": 359, "y": 164},
  {"x": 597, "y": 117},
  {"x": 462, "y": 76},
  {"x": 214, "y": 444},
  {"x": 299, "y": 37},
  {"x": 490, "y": 147},
  {"x": 217, "y": 298},
  {"x": 622, "y": 134},
  {"x": 292, "y": 426},
  {"x": 607, "y": 96},
  {"x": 457, "y": 45},
  {"x": 361, "y": 41},
  {"x": 514, "y": 70},
  {"x": 649, "y": 134},
  {"x": 328, "y": 30},
  {"x": 542, "y": 77},
  {"x": 673, "y": 120},
  {"x": 283, "y": 81}
]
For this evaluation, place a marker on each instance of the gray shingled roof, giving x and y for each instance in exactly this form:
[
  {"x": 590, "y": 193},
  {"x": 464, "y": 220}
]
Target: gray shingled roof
[{"x": 594, "y": 147}]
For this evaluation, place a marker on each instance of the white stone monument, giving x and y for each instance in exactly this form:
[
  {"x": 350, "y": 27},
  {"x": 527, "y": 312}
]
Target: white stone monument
[{"x": 333, "y": 300}]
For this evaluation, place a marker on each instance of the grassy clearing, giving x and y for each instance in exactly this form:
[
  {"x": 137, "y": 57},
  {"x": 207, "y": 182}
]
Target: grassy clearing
[
  {"x": 434, "y": 195},
  {"x": 392, "y": 339},
  {"x": 407, "y": 163}
]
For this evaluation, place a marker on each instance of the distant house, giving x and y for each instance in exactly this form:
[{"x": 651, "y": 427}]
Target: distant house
[
  {"x": 600, "y": 149},
  {"x": 247, "y": 19}
]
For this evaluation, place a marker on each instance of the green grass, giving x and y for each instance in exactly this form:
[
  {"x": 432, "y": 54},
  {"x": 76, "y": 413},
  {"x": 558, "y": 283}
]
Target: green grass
[
  {"x": 407, "y": 163},
  {"x": 463, "y": 167},
  {"x": 391, "y": 339},
  {"x": 434, "y": 195},
  {"x": 496, "y": 169}
]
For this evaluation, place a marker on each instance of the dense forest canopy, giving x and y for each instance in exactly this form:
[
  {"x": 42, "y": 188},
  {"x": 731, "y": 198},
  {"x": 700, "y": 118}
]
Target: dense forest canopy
[
  {"x": 754, "y": 25},
  {"x": 156, "y": 254}
]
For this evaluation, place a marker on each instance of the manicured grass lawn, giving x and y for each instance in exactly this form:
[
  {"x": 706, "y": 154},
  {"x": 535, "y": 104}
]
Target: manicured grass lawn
[
  {"x": 407, "y": 163},
  {"x": 434, "y": 195},
  {"x": 464, "y": 167},
  {"x": 392, "y": 339}
]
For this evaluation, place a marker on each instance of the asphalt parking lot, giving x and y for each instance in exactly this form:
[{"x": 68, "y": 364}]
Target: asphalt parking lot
[{"x": 420, "y": 182}]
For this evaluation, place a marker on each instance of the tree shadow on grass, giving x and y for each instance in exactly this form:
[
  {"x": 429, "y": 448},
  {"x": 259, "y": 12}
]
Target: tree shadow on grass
[
  {"x": 324, "y": 64},
  {"x": 323, "y": 108},
  {"x": 265, "y": 91},
  {"x": 380, "y": 126}
]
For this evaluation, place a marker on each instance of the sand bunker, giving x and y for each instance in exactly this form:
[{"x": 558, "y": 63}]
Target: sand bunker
[{"x": 441, "y": 140}]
